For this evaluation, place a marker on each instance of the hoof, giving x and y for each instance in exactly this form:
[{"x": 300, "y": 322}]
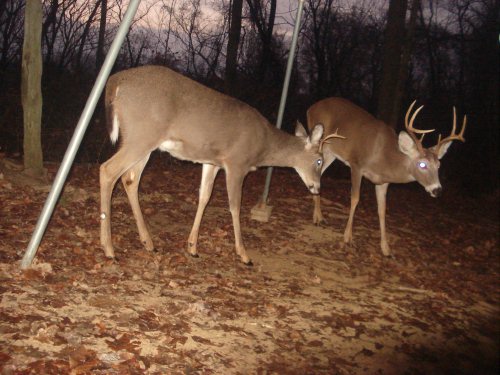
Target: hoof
[{"x": 248, "y": 264}]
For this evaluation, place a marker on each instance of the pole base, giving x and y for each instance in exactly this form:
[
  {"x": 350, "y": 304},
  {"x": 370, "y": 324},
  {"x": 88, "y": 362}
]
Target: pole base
[{"x": 261, "y": 212}]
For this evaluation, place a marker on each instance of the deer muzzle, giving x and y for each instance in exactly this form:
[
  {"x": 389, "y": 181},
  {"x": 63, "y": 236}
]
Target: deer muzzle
[
  {"x": 434, "y": 191},
  {"x": 313, "y": 189}
]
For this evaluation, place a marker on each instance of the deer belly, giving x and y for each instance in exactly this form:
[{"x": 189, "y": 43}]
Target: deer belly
[{"x": 178, "y": 150}]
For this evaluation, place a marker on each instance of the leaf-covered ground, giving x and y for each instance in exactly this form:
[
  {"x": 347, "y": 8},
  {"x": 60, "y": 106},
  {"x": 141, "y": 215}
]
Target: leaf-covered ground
[{"x": 306, "y": 307}]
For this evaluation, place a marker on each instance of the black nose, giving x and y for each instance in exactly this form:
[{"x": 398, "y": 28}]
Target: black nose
[{"x": 437, "y": 192}]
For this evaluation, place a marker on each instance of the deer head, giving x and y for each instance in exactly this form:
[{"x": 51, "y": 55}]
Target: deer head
[
  {"x": 424, "y": 162},
  {"x": 309, "y": 165}
]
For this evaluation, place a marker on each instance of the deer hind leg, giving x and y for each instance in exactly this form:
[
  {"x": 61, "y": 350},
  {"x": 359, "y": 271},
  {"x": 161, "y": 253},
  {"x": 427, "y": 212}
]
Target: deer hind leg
[
  {"x": 381, "y": 192},
  {"x": 110, "y": 172},
  {"x": 208, "y": 175},
  {"x": 355, "y": 187},
  {"x": 318, "y": 218},
  {"x": 234, "y": 182},
  {"x": 130, "y": 180}
]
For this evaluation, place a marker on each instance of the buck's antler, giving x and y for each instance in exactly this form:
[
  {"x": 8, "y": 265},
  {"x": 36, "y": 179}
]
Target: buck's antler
[
  {"x": 324, "y": 140},
  {"x": 453, "y": 136},
  {"x": 412, "y": 131}
]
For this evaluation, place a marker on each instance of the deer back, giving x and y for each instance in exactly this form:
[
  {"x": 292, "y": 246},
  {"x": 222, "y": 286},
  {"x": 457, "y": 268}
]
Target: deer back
[
  {"x": 156, "y": 106},
  {"x": 368, "y": 140}
]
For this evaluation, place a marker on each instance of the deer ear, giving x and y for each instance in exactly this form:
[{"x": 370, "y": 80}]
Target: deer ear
[
  {"x": 407, "y": 145},
  {"x": 300, "y": 131},
  {"x": 442, "y": 149},
  {"x": 316, "y": 134}
]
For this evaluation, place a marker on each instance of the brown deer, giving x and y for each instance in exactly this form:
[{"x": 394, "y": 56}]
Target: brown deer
[
  {"x": 373, "y": 150},
  {"x": 153, "y": 107}
]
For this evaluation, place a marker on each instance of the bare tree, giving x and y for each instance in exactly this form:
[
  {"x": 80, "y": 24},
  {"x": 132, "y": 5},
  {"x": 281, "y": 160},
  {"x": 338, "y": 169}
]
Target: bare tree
[
  {"x": 11, "y": 27},
  {"x": 85, "y": 33},
  {"x": 340, "y": 50},
  {"x": 50, "y": 28},
  {"x": 202, "y": 39},
  {"x": 232, "y": 46},
  {"x": 262, "y": 16},
  {"x": 99, "y": 59}
]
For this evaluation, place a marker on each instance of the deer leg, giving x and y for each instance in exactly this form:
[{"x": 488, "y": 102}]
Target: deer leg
[
  {"x": 130, "y": 180},
  {"x": 317, "y": 214},
  {"x": 110, "y": 172},
  {"x": 381, "y": 192},
  {"x": 318, "y": 217},
  {"x": 208, "y": 175},
  {"x": 355, "y": 187},
  {"x": 234, "y": 182}
]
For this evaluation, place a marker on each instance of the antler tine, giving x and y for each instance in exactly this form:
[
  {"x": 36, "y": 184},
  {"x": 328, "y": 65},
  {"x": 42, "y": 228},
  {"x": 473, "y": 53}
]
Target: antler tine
[
  {"x": 408, "y": 112},
  {"x": 411, "y": 130},
  {"x": 464, "y": 124},
  {"x": 418, "y": 131},
  {"x": 453, "y": 136},
  {"x": 333, "y": 135}
]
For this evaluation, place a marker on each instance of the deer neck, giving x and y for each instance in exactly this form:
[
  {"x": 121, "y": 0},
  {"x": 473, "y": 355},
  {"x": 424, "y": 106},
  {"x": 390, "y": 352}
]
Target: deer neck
[
  {"x": 280, "y": 149},
  {"x": 401, "y": 167}
]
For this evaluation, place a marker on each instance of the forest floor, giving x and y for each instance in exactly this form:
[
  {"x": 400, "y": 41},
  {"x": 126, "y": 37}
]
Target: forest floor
[{"x": 307, "y": 306}]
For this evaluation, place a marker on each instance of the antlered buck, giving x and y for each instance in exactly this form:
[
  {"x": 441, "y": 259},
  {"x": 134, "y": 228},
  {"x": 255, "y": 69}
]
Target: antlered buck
[
  {"x": 153, "y": 107},
  {"x": 373, "y": 150}
]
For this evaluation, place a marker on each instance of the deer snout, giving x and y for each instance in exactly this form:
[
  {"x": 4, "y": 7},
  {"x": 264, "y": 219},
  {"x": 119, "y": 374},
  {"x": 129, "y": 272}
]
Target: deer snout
[
  {"x": 313, "y": 189},
  {"x": 434, "y": 190}
]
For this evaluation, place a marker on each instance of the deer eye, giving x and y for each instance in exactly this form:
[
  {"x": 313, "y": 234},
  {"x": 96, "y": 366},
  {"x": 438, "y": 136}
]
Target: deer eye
[
  {"x": 319, "y": 162},
  {"x": 422, "y": 165}
]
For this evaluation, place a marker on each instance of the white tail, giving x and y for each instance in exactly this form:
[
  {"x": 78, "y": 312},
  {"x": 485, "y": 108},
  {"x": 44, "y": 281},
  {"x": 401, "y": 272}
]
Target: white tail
[
  {"x": 152, "y": 107},
  {"x": 373, "y": 150}
]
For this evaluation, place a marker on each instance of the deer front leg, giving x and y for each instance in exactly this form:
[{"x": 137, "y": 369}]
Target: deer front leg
[
  {"x": 317, "y": 214},
  {"x": 208, "y": 175},
  {"x": 234, "y": 181},
  {"x": 381, "y": 192},
  {"x": 328, "y": 158},
  {"x": 355, "y": 187},
  {"x": 130, "y": 180}
]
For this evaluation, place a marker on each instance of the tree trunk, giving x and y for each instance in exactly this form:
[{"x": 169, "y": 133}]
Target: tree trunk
[
  {"x": 394, "y": 38},
  {"x": 50, "y": 20},
  {"x": 232, "y": 47},
  {"x": 405, "y": 60},
  {"x": 31, "y": 90},
  {"x": 102, "y": 33},
  {"x": 265, "y": 29}
]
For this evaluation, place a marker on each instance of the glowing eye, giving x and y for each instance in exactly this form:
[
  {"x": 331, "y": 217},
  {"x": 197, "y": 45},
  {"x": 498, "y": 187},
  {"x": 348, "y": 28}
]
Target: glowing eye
[
  {"x": 422, "y": 165},
  {"x": 318, "y": 162}
]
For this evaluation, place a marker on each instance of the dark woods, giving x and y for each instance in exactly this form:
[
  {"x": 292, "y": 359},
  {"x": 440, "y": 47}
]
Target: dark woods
[{"x": 448, "y": 56}]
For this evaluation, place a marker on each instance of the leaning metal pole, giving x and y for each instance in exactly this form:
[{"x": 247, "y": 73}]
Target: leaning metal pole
[
  {"x": 284, "y": 93},
  {"x": 80, "y": 129}
]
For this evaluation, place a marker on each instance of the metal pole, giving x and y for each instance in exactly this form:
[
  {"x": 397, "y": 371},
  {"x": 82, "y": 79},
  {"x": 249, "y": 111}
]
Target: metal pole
[
  {"x": 284, "y": 93},
  {"x": 80, "y": 129}
]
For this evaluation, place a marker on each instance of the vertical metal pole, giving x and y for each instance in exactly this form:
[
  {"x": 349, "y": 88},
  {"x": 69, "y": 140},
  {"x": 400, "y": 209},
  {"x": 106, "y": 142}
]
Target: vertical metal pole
[
  {"x": 284, "y": 93},
  {"x": 80, "y": 129}
]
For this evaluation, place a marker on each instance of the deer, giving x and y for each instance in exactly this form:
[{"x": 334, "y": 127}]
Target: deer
[
  {"x": 153, "y": 107},
  {"x": 374, "y": 151}
]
